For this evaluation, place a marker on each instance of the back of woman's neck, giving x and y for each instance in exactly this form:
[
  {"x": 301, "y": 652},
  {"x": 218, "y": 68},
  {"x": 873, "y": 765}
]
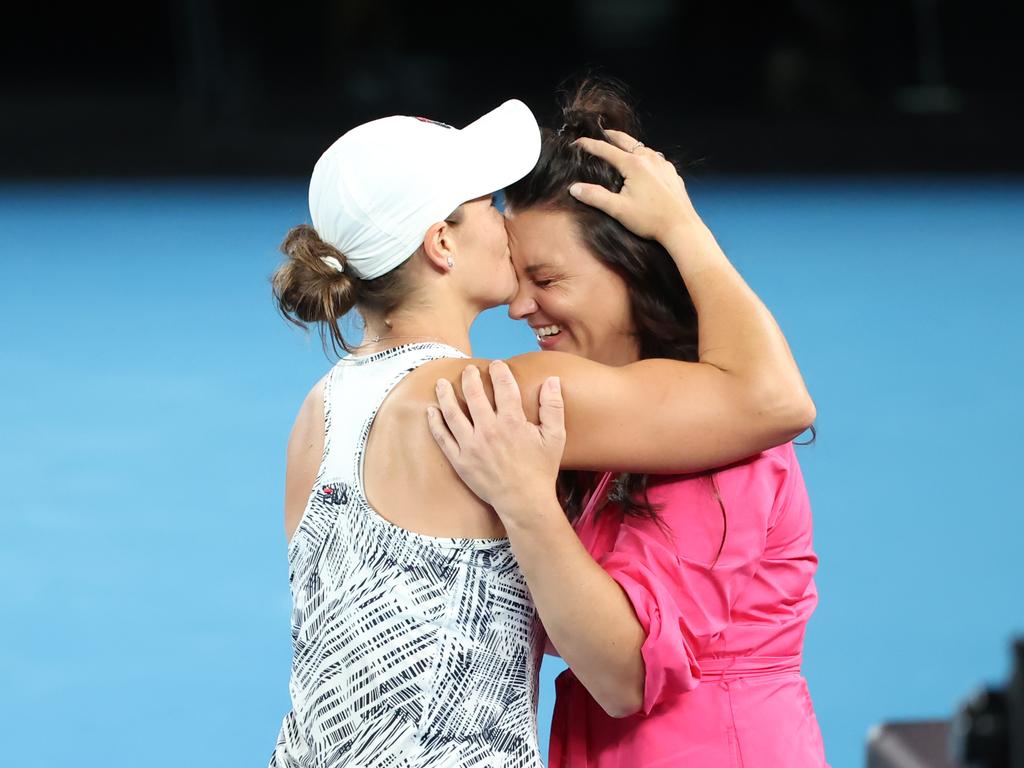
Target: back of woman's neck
[{"x": 381, "y": 336}]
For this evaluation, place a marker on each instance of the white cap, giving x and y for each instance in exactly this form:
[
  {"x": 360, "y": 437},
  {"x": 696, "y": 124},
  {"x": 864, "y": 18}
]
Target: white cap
[{"x": 377, "y": 190}]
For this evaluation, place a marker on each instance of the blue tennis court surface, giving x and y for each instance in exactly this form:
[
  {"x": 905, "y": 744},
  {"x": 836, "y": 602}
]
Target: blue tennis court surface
[{"x": 148, "y": 389}]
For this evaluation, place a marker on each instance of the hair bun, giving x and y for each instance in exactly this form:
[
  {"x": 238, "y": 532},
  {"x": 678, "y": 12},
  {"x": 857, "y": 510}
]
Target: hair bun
[
  {"x": 318, "y": 259},
  {"x": 309, "y": 287},
  {"x": 596, "y": 105}
]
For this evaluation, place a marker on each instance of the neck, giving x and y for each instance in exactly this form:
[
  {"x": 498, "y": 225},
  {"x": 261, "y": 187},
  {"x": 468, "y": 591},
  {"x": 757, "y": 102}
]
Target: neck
[
  {"x": 445, "y": 325},
  {"x": 618, "y": 352}
]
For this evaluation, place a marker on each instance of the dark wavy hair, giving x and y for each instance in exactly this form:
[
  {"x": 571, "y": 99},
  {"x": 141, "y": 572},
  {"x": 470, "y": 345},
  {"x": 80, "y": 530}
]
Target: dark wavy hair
[{"x": 662, "y": 312}]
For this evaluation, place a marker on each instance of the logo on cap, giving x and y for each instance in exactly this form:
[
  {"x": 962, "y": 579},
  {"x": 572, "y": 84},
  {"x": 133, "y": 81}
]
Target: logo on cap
[{"x": 435, "y": 122}]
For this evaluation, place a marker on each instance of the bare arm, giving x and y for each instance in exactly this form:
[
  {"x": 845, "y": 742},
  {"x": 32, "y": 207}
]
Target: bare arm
[
  {"x": 662, "y": 416},
  {"x": 586, "y": 615}
]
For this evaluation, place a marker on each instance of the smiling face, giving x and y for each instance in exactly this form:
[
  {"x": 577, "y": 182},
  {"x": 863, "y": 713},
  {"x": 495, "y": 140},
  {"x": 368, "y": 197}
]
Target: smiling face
[{"x": 573, "y": 302}]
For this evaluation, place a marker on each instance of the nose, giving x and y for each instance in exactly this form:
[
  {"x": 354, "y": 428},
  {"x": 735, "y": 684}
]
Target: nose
[{"x": 522, "y": 304}]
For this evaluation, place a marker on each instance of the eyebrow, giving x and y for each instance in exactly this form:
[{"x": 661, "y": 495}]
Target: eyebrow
[{"x": 533, "y": 268}]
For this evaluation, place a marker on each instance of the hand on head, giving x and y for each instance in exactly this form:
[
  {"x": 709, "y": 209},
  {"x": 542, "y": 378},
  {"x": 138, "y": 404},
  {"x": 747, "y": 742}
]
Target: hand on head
[{"x": 653, "y": 200}]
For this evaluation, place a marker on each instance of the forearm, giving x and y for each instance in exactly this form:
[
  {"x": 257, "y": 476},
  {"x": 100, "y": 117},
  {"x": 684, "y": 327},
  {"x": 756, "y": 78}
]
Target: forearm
[
  {"x": 737, "y": 333},
  {"x": 587, "y": 617}
]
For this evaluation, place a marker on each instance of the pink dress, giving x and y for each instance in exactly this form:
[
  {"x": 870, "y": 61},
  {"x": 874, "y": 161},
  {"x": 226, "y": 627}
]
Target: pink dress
[{"x": 723, "y": 684}]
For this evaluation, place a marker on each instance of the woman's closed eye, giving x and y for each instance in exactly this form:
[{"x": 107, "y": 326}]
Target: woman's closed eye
[{"x": 543, "y": 275}]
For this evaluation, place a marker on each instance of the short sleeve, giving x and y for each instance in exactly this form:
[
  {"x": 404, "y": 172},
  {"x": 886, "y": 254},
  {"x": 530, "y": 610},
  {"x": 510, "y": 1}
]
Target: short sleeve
[{"x": 681, "y": 588}]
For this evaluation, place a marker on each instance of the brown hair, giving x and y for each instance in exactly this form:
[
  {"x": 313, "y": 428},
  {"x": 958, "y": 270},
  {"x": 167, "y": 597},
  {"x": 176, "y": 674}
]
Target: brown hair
[
  {"x": 309, "y": 291},
  {"x": 664, "y": 317}
]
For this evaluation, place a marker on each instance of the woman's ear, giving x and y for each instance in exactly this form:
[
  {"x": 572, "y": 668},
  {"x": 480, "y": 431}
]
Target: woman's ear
[{"x": 439, "y": 246}]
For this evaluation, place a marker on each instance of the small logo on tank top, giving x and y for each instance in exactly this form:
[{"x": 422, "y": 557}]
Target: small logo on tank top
[{"x": 335, "y": 493}]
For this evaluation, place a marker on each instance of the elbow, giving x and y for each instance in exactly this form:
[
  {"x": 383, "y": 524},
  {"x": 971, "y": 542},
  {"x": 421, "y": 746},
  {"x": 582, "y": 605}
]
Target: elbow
[
  {"x": 803, "y": 413},
  {"x": 626, "y": 702},
  {"x": 626, "y": 710},
  {"x": 618, "y": 685},
  {"x": 790, "y": 411}
]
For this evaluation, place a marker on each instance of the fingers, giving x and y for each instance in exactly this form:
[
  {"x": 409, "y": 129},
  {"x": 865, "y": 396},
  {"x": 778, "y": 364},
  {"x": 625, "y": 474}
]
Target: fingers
[
  {"x": 552, "y": 411},
  {"x": 460, "y": 426},
  {"x": 449, "y": 447},
  {"x": 480, "y": 409},
  {"x": 507, "y": 398},
  {"x": 617, "y": 156},
  {"x": 598, "y": 197},
  {"x": 622, "y": 140},
  {"x": 634, "y": 147},
  {"x": 618, "y": 149}
]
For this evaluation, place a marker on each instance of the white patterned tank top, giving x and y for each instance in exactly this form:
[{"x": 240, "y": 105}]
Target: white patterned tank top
[{"x": 408, "y": 650}]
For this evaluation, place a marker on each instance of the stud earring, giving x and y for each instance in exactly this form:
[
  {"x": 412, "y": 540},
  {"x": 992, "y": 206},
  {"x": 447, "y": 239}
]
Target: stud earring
[{"x": 451, "y": 263}]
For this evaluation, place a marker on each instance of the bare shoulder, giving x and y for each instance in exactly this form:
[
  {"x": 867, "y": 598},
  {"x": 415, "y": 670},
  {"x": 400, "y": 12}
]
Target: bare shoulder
[
  {"x": 310, "y": 419},
  {"x": 419, "y": 386},
  {"x": 305, "y": 450}
]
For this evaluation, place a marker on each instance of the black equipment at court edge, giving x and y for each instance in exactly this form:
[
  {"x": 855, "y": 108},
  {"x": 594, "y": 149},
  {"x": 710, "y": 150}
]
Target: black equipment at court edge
[{"x": 986, "y": 732}]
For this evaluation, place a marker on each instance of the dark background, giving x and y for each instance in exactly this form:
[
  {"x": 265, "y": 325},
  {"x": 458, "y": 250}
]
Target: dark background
[{"x": 219, "y": 87}]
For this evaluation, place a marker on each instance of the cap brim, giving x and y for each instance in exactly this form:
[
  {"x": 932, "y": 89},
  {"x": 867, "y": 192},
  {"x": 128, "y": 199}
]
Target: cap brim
[{"x": 501, "y": 147}]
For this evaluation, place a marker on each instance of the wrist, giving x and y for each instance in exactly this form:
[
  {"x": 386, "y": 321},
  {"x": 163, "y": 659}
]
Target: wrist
[
  {"x": 679, "y": 232},
  {"x": 691, "y": 245},
  {"x": 528, "y": 512}
]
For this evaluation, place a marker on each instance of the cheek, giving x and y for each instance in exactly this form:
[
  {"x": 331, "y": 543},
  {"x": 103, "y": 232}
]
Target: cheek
[
  {"x": 500, "y": 239},
  {"x": 608, "y": 312},
  {"x": 560, "y": 307},
  {"x": 623, "y": 315}
]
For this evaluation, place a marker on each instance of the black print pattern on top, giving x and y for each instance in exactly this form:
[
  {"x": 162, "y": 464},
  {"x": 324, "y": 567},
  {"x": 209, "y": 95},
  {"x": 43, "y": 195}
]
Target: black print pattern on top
[{"x": 409, "y": 651}]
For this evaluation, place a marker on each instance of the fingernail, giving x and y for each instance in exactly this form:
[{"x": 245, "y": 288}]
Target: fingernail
[
  {"x": 574, "y": 190},
  {"x": 556, "y": 384},
  {"x": 440, "y": 385},
  {"x": 431, "y": 411}
]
